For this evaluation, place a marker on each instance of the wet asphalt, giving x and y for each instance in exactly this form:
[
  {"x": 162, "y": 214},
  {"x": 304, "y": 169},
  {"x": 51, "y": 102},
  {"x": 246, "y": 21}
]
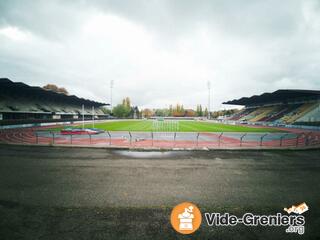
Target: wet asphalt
[{"x": 82, "y": 193}]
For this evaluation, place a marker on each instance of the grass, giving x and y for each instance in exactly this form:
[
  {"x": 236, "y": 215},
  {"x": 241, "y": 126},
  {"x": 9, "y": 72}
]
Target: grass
[{"x": 184, "y": 126}]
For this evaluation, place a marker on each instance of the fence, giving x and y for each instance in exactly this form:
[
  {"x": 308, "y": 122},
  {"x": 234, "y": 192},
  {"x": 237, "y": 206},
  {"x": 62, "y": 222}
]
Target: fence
[
  {"x": 165, "y": 139},
  {"x": 270, "y": 124}
]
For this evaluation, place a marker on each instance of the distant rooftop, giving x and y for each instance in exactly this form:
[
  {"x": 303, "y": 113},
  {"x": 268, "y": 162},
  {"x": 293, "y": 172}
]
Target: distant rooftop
[
  {"x": 21, "y": 90},
  {"x": 279, "y": 96}
]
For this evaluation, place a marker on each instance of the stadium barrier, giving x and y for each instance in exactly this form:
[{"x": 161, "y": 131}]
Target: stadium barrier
[
  {"x": 196, "y": 140},
  {"x": 268, "y": 124}
]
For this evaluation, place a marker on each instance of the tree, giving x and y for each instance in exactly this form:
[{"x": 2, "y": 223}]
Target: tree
[
  {"x": 123, "y": 110},
  {"x": 200, "y": 111},
  {"x": 106, "y": 110},
  {"x": 135, "y": 112},
  {"x": 190, "y": 113},
  {"x": 170, "y": 110},
  {"x": 147, "y": 113},
  {"x": 55, "y": 88},
  {"x": 160, "y": 112},
  {"x": 206, "y": 112},
  {"x": 178, "y": 111},
  {"x": 126, "y": 102},
  {"x": 63, "y": 91}
]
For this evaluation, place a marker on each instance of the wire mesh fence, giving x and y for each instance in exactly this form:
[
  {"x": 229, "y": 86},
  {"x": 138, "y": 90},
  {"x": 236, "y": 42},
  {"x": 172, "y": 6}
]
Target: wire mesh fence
[{"x": 164, "y": 139}]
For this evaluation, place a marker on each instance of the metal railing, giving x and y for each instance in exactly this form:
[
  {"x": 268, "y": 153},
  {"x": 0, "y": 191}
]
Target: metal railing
[{"x": 164, "y": 139}]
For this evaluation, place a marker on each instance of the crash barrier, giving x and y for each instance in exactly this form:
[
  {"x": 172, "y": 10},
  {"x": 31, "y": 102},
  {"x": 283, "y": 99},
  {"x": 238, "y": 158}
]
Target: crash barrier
[{"x": 164, "y": 139}]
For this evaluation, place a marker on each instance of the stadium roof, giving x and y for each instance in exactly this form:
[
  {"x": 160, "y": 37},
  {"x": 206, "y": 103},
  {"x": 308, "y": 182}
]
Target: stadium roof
[
  {"x": 19, "y": 90},
  {"x": 280, "y": 96}
]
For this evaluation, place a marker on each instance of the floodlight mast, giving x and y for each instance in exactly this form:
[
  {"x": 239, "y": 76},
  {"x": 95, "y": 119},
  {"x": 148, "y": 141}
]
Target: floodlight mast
[
  {"x": 82, "y": 116},
  {"x": 111, "y": 87},
  {"x": 209, "y": 97},
  {"x": 93, "y": 116}
]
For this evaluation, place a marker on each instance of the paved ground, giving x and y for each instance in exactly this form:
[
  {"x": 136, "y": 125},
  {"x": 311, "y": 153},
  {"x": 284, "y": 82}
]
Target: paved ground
[{"x": 72, "y": 193}]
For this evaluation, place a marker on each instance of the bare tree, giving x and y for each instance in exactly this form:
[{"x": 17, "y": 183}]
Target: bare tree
[{"x": 55, "y": 88}]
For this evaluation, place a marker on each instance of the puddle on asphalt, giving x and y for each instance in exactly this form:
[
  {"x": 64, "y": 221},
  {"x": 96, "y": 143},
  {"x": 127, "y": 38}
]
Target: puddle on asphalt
[{"x": 150, "y": 154}]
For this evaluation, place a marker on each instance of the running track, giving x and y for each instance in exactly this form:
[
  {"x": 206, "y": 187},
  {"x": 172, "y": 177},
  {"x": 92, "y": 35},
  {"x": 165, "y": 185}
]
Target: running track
[{"x": 294, "y": 138}]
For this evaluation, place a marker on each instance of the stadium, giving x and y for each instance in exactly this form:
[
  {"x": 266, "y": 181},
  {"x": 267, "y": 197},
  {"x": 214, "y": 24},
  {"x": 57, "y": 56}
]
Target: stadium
[
  {"x": 22, "y": 104},
  {"x": 280, "y": 108},
  {"x": 282, "y": 119},
  {"x": 138, "y": 120},
  {"x": 37, "y": 123}
]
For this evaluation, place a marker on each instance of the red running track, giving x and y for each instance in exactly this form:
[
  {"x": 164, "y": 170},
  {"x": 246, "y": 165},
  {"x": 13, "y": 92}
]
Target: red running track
[{"x": 206, "y": 140}]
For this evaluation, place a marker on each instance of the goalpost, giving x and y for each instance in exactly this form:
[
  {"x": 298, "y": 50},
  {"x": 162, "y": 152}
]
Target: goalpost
[{"x": 165, "y": 125}]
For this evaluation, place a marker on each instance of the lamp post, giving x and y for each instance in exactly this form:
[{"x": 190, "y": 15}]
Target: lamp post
[
  {"x": 111, "y": 87},
  {"x": 82, "y": 116},
  {"x": 209, "y": 97},
  {"x": 93, "y": 116}
]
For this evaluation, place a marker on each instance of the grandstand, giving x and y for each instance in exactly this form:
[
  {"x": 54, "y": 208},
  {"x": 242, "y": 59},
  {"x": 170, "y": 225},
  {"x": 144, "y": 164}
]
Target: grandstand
[
  {"x": 282, "y": 107},
  {"x": 20, "y": 104}
]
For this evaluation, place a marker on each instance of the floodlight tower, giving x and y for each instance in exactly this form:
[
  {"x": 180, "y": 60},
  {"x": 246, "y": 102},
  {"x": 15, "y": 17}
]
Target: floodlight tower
[
  {"x": 82, "y": 116},
  {"x": 209, "y": 97},
  {"x": 111, "y": 87}
]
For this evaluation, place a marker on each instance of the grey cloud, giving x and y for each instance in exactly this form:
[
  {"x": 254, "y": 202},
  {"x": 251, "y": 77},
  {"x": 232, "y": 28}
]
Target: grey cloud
[
  {"x": 48, "y": 19},
  {"x": 169, "y": 17},
  {"x": 249, "y": 47}
]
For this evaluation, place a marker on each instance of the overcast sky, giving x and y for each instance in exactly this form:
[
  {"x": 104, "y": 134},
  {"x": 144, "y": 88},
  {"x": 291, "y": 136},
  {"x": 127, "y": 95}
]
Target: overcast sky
[{"x": 162, "y": 52}]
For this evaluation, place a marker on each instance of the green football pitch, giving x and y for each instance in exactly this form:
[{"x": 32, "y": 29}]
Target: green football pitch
[{"x": 175, "y": 126}]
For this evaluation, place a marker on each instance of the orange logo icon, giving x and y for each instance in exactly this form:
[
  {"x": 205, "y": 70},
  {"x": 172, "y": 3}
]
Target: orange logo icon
[{"x": 186, "y": 218}]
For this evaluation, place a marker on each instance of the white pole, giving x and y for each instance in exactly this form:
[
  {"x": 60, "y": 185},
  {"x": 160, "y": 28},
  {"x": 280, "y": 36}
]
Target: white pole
[
  {"x": 212, "y": 100},
  {"x": 209, "y": 98},
  {"x": 93, "y": 116},
  {"x": 111, "y": 87},
  {"x": 82, "y": 116}
]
